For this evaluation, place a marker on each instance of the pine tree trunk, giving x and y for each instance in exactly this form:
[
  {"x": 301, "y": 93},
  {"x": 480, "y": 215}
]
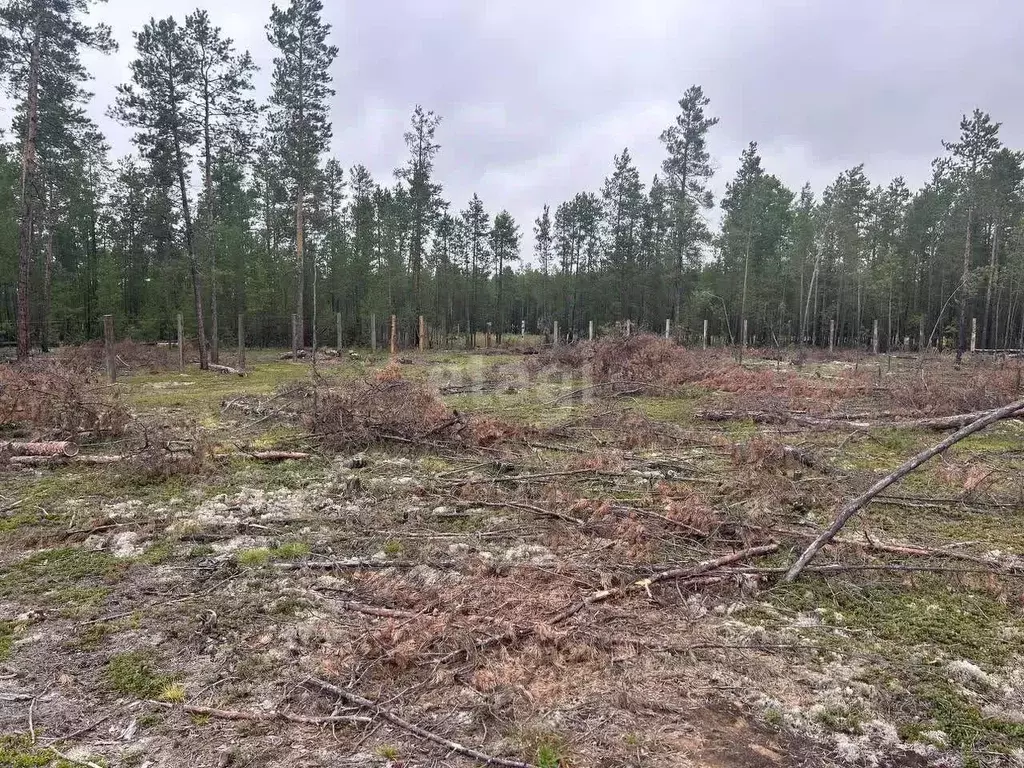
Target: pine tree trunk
[
  {"x": 501, "y": 260},
  {"x": 993, "y": 267},
  {"x": 965, "y": 296},
  {"x": 28, "y": 192},
  {"x": 214, "y": 324},
  {"x": 197, "y": 286},
  {"x": 300, "y": 264},
  {"x": 44, "y": 334}
]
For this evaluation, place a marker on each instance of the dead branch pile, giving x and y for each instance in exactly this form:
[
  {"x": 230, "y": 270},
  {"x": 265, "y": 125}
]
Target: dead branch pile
[
  {"x": 386, "y": 406},
  {"x": 49, "y": 398},
  {"x": 649, "y": 364},
  {"x": 946, "y": 392}
]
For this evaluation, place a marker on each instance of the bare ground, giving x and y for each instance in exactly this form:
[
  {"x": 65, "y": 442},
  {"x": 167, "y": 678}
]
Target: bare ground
[{"x": 176, "y": 619}]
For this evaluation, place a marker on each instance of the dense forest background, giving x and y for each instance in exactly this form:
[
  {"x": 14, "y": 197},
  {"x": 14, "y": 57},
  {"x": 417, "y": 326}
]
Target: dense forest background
[{"x": 231, "y": 207}]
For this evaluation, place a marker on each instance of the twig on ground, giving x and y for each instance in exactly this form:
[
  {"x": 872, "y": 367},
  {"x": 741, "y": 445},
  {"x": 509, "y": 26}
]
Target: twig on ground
[
  {"x": 683, "y": 572},
  {"x": 423, "y": 733},
  {"x": 528, "y": 508},
  {"x": 269, "y": 716}
]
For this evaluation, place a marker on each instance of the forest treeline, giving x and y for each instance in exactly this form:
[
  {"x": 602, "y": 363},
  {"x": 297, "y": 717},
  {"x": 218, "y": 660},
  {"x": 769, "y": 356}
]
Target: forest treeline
[{"x": 228, "y": 206}]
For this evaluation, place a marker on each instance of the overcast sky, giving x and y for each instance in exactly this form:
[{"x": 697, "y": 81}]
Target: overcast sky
[{"x": 537, "y": 96}]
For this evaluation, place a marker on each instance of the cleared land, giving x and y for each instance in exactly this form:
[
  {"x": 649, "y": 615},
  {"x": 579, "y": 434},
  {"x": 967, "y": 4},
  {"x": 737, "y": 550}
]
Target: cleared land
[{"x": 185, "y": 603}]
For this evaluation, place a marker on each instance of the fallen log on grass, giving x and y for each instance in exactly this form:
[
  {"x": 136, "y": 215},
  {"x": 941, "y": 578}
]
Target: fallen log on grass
[
  {"x": 39, "y": 448},
  {"x": 226, "y": 369},
  {"x": 853, "y": 506},
  {"x": 59, "y": 459}
]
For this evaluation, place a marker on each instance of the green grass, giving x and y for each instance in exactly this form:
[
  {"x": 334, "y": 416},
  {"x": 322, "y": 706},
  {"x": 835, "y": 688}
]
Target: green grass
[
  {"x": 7, "y": 629},
  {"x": 70, "y": 577},
  {"x": 134, "y": 674},
  {"x": 908, "y": 633},
  {"x": 254, "y": 558},
  {"x": 953, "y": 619},
  {"x": 19, "y": 752}
]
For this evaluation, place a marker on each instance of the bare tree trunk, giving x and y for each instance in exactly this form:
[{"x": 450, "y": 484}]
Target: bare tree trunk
[
  {"x": 811, "y": 291},
  {"x": 28, "y": 173}
]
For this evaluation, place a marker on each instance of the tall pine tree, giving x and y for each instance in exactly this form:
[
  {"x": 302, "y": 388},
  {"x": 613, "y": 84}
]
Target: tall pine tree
[{"x": 299, "y": 117}]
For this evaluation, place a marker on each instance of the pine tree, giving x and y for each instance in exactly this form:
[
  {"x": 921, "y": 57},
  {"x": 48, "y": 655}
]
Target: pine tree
[
  {"x": 477, "y": 229},
  {"x": 504, "y": 238},
  {"x": 40, "y": 45},
  {"x": 424, "y": 193},
  {"x": 688, "y": 170},
  {"x": 222, "y": 80},
  {"x": 158, "y": 104},
  {"x": 299, "y": 110},
  {"x": 542, "y": 242},
  {"x": 979, "y": 140},
  {"x": 623, "y": 198}
]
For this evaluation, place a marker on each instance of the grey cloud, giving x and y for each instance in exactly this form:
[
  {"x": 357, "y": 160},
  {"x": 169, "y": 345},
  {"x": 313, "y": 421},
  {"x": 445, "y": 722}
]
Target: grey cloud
[{"x": 536, "y": 97}]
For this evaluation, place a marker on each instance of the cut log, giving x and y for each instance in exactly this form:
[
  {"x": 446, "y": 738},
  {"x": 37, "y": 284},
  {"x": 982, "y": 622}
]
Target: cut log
[
  {"x": 226, "y": 369},
  {"x": 56, "y": 459},
  {"x": 47, "y": 448}
]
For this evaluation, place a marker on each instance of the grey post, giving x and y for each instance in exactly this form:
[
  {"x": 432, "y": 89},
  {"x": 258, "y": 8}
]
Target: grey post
[
  {"x": 554, "y": 338},
  {"x": 295, "y": 338},
  {"x": 704, "y": 337},
  {"x": 668, "y": 327},
  {"x": 241, "y": 341},
  {"x": 373, "y": 332},
  {"x": 181, "y": 342},
  {"x": 337, "y": 325},
  {"x": 108, "y": 347},
  {"x": 831, "y": 334},
  {"x": 974, "y": 334},
  {"x": 590, "y": 330},
  {"x": 874, "y": 338}
]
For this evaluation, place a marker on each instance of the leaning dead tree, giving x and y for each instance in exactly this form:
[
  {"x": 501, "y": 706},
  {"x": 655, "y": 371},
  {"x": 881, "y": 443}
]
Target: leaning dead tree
[{"x": 852, "y": 507}]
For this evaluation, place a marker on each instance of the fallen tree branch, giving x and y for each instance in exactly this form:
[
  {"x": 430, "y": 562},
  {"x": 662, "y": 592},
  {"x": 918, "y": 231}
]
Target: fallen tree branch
[
  {"x": 852, "y": 507},
  {"x": 269, "y": 716},
  {"x": 684, "y": 572},
  {"x": 423, "y": 733},
  {"x": 867, "y": 421},
  {"x": 359, "y": 562}
]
